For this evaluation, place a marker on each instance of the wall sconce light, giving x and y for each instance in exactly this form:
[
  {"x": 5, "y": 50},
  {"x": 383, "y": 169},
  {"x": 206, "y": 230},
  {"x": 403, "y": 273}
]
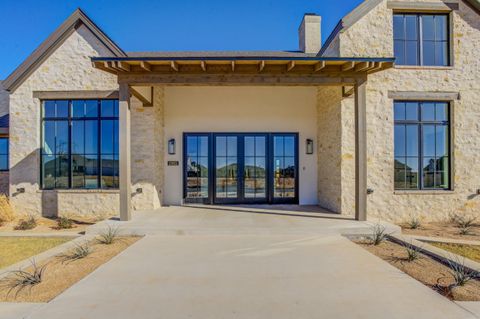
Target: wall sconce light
[
  {"x": 171, "y": 146},
  {"x": 309, "y": 146}
]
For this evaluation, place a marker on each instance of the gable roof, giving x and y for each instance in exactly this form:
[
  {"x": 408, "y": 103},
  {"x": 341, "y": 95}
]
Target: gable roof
[
  {"x": 359, "y": 12},
  {"x": 56, "y": 39}
]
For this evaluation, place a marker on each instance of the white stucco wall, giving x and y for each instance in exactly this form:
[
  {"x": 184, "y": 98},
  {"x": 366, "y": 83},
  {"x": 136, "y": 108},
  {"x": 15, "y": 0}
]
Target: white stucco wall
[{"x": 241, "y": 109}]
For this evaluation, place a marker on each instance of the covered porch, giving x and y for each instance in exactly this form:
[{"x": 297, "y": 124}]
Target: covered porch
[{"x": 138, "y": 75}]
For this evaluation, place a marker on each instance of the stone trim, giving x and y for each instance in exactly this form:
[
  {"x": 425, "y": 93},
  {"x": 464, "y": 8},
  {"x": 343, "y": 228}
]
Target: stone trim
[
  {"x": 423, "y": 96},
  {"x": 80, "y": 191},
  {"x": 422, "y": 6},
  {"x": 63, "y": 95},
  {"x": 424, "y": 192}
]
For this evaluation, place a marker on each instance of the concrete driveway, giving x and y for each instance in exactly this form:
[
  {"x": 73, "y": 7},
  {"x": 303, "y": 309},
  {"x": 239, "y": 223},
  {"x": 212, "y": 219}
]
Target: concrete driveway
[{"x": 245, "y": 275}]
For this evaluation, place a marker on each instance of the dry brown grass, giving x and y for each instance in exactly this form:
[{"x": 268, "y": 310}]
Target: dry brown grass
[
  {"x": 468, "y": 251},
  {"x": 59, "y": 276},
  {"x": 426, "y": 270},
  {"x": 6, "y": 211}
]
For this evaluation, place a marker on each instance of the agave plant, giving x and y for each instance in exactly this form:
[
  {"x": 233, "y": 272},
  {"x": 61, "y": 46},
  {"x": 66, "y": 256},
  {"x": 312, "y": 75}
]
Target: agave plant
[
  {"x": 413, "y": 252},
  {"x": 79, "y": 252},
  {"x": 20, "y": 280},
  {"x": 461, "y": 273},
  {"x": 378, "y": 234},
  {"x": 109, "y": 236}
]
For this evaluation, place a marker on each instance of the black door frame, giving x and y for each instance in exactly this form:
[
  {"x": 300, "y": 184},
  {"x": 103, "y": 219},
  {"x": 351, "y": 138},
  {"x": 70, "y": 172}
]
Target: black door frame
[{"x": 269, "y": 178}]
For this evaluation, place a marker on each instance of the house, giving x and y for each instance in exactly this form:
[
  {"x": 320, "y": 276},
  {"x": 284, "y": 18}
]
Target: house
[{"x": 380, "y": 120}]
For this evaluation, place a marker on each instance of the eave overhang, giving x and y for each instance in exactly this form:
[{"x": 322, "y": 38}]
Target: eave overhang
[{"x": 131, "y": 67}]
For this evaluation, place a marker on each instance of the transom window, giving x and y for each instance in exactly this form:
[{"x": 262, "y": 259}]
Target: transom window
[
  {"x": 422, "y": 144},
  {"x": 3, "y": 153},
  {"x": 79, "y": 144},
  {"x": 421, "y": 39}
]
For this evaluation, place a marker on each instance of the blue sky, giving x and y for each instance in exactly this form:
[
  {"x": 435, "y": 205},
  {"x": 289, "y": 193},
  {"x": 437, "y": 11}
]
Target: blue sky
[{"x": 143, "y": 25}]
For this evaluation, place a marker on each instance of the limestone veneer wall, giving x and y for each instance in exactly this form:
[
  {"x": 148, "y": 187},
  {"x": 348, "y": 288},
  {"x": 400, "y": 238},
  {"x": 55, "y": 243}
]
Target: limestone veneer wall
[
  {"x": 329, "y": 132},
  {"x": 147, "y": 152},
  {"x": 68, "y": 68},
  {"x": 373, "y": 36}
]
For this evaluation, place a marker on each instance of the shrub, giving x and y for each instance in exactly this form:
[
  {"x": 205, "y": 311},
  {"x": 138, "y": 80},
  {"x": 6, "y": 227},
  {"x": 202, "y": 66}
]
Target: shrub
[
  {"x": 414, "y": 222},
  {"x": 108, "y": 236},
  {"x": 378, "y": 234},
  {"x": 64, "y": 223},
  {"x": 23, "y": 279},
  {"x": 25, "y": 224},
  {"x": 413, "y": 252},
  {"x": 6, "y": 211},
  {"x": 79, "y": 252},
  {"x": 461, "y": 273}
]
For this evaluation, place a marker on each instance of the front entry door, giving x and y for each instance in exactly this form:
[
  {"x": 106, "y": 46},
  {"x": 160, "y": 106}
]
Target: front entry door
[{"x": 241, "y": 168}]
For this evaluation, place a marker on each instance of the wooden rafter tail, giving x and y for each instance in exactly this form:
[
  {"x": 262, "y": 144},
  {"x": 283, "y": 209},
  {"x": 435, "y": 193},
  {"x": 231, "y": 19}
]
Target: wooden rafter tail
[
  {"x": 319, "y": 66},
  {"x": 261, "y": 66},
  {"x": 203, "y": 65},
  {"x": 290, "y": 66},
  {"x": 146, "y": 66},
  {"x": 174, "y": 65},
  {"x": 348, "y": 66}
]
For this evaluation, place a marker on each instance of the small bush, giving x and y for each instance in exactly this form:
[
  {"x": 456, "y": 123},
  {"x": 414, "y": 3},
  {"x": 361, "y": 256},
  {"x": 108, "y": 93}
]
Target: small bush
[
  {"x": 64, "y": 223},
  {"x": 108, "y": 236},
  {"x": 413, "y": 252},
  {"x": 414, "y": 222},
  {"x": 26, "y": 224},
  {"x": 23, "y": 279},
  {"x": 465, "y": 223},
  {"x": 79, "y": 252},
  {"x": 378, "y": 234},
  {"x": 461, "y": 273},
  {"x": 6, "y": 211}
]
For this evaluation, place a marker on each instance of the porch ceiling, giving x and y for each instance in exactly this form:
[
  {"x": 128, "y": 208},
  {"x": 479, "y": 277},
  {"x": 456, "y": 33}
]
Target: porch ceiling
[{"x": 299, "y": 70}]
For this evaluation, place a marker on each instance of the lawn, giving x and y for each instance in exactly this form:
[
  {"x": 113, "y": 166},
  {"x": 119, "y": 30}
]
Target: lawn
[
  {"x": 15, "y": 249},
  {"x": 468, "y": 251}
]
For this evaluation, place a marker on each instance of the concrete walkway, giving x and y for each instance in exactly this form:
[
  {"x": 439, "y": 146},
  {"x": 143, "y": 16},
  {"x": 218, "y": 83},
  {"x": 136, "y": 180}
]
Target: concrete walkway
[
  {"x": 225, "y": 264},
  {"x": 248, "y": 277}
]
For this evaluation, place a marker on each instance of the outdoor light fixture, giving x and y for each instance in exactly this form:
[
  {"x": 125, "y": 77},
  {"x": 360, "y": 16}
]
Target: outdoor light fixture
[
  {"x": 171, "y": 146},
  {"x": 309, "y": 146}
]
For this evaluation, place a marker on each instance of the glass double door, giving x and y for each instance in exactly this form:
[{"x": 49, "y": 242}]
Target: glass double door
[{"x": 230, "y": 168}]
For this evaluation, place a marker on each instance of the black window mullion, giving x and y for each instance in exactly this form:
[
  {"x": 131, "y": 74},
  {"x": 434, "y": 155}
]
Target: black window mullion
[{"x": 99, "y": 146}]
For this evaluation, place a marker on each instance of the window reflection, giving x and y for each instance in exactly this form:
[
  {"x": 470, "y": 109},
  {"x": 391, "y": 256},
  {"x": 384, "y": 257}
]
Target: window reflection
[
  {"x": 80, "y": 144},
  {"x": 432, "y": 157}
]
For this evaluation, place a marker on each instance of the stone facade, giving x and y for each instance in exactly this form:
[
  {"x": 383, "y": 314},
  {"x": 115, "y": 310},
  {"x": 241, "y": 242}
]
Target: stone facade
[
  {"x": 69, "y": 68},
  {"x": 372, "y": 36}
]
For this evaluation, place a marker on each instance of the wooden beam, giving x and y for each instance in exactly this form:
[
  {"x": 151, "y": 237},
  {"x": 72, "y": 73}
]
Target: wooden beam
[
  {"x": 174, "y": 65},
  {"x": 149, "y": 79},
  {"x": 203, "y": 65},
  {"x": 362, "y": 66},
  {"x": 123, "y": 66},
  {"x": 361, "y": 150},
  {"x": 125, "y": 153},
  {"x": 319, "y": 66},
  {"x": 146, "y": 66},
  {"x": 347, "y": 91},
  {"x": 261, "y": 66},
  {"x": 290, "y": 66},
  {"x": 143, "y": 99},
  {"x": 233, "y": 66},
  {"x": 376, "y": 66},
  {"x": 348, "y": 66}
]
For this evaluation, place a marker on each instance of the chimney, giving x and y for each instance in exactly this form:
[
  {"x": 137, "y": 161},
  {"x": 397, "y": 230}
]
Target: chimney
[{"x": 310, "y": 39}]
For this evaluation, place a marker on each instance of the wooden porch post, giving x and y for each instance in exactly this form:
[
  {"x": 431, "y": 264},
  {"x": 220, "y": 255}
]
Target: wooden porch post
[
  {"x": 124, "y": 139},
  {"x": 361, "y": 150}
]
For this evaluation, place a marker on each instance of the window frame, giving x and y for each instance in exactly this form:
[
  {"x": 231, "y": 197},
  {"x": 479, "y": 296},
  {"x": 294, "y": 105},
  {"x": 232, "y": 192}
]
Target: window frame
[
  {"x": 70, "y": 119},
  {"x": 420, "y": 46},
  {"x": 7, "y": 154},
  {"x": 419, "y": 123}
]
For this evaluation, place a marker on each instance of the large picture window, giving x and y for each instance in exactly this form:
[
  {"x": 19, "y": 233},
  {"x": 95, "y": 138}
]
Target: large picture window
[
  {"x": 79, "y": 144},
  {"x": 421, "y": 39},
  {"x": 422, "y": 145}
]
